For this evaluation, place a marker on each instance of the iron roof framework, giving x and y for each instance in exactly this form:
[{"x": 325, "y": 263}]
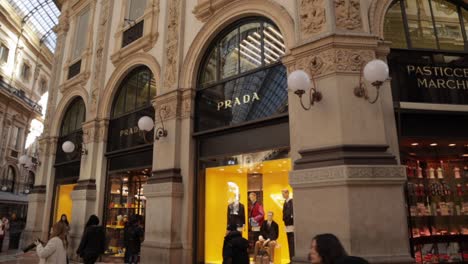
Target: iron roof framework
[{"x": 41, "y": 16}]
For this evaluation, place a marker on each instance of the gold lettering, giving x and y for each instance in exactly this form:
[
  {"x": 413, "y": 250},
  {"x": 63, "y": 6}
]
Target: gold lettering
[
  {"x": 237, "y": 101},
  {"x": 246, "y": 98},
  {"x": 457, "y": 74},
  {"x": 450, "y": 84},
  {"x": 422, "y": 82},
  {"x": 419, "y": 71},
  {"x": 228, "y": 104},
  {"x": 461, "y": 83},
  {"x": 440, "y": 83},
  {"x": 410, "y": 68},
  {"x": 465, "y": 72},
  {"x": 255, "y": 97},
  {"x": 432, "y": 84},
  {"x": 220, "y": 104},
  {"x": 448, "y": 74},
  {"x": 121, "y": 132},
  {"x": 427, "y": 70}
]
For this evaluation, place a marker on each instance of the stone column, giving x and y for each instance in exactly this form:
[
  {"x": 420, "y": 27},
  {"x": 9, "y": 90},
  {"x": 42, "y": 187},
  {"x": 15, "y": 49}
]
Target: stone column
[
  {"x": 92, "y": 170},
  {"x": 168, "y": 191},
  {"x": 345, "y": 179}
]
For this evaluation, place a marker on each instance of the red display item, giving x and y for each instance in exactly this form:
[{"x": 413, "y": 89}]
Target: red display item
[
  {"x": 459, "y": 190},
  {"x": 409, "y": 171}
]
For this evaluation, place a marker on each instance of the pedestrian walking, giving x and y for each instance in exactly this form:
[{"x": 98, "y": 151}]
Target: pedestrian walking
[
  {"x": 16, "y": 227},
  {"x": 2, "y": 233},
  {"x": 54, "y": 251},
  {"x": 235, "y": 247},
  {"x": 327, "y": 249},
  {"x": 133, "y": 237},
  {"x": 93, "y": 242},
  {"x": 64, "y": 220}
]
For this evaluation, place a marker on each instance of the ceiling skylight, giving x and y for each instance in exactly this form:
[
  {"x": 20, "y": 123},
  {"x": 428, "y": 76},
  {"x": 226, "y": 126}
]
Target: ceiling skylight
[{"x": 41, "y": 16}]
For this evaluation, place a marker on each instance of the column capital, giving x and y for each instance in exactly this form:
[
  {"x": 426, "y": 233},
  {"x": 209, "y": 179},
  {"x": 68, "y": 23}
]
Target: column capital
[{"x": 176, "y": 104}]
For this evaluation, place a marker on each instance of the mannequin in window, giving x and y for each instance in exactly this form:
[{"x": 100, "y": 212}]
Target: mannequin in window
[
  {"x": 256, "y": 215},
  {"x": 236, "y": 215},
  {"x": 288, "y": 219},
  {"x": 268, "y": 237}
]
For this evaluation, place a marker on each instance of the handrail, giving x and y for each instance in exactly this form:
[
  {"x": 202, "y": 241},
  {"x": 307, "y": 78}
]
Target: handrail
[{"x": 20, "y": 94}]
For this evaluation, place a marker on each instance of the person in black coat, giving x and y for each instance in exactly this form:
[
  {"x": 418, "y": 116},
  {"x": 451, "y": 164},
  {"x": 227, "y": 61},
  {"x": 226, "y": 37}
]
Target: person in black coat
[
  {"x": 288, "y": 219},
  {"x": 133, "y": 237},
  {"x": 268, "y": 235},
  {"x": 235, "y": 247},
  {"x": 93, "y": 242}
]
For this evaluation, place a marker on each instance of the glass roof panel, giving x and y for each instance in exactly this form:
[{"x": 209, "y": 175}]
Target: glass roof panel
[{"x": 41, "y": 16}]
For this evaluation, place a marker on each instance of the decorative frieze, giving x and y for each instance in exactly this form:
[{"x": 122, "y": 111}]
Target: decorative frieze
[
  {"x": 97, "y": 81},
  {"x": 312, "y": 17},
  {"x": 348, "y": 15},
  {"x": 175, "y": 104},
  {"x": 334, "y": 60},
  {"x": 165, "y": 189},
  {"x": 348, "y": 174},
  {"x": 172, "y": 44},
  {"x": 95, "y": 131}
]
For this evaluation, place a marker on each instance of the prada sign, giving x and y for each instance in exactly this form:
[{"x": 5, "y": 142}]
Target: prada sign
[
  {"x": 423, "y": 77},
  {"x": 245, "y": 99}
]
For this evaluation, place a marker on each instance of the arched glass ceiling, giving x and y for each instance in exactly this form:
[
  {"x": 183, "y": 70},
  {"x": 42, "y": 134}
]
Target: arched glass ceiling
[{"x": 41, "y": 16}]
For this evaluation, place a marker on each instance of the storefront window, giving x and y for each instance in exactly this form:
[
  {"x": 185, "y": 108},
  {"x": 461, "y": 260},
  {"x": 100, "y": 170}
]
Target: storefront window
[
  {"x": 127, "y": 171},
  {"x": 229, "y": 182},
  {"x": 429, "y": 24},
  {"x": 125, "y": 200},
  {"x": 394, "y": 27}
]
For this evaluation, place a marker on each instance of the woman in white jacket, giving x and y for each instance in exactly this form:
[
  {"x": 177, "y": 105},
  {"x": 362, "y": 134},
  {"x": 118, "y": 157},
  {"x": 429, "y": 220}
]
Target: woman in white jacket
[{"x": 54, "y": 252}]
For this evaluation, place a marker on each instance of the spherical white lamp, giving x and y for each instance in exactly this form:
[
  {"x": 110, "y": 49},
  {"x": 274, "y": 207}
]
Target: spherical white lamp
[
  {"x": 298, "y": 80},
  {"x": 29, "y": 163},
  {"x": 376, "y": 72},
  {"x": 23, "y": 160},
  {"x": 68, "y": 147},
  {"x": 146, "y": 123}
]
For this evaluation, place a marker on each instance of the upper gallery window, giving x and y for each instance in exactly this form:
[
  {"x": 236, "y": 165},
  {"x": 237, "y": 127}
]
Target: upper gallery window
[
  {"x": 42, "y": 86},
  {"x": 4, "y": 53},
  {"x": 136, "y": 9},
  {"x": 15, "y": 138},
  {"x": 135, "y": 92},
  {"x": 74, "y": 117},
  {"x": 427, "y": 24},
  {"x": 9, "y": 180},
  {"x": 81, "y": 34},
  {"x": 245, "y": 47},
  {"x": 25, "y": 72}
]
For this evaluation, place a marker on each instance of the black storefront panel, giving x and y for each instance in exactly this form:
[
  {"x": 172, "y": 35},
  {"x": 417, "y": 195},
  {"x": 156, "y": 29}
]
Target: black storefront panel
[{"x": 427, "y": 77}]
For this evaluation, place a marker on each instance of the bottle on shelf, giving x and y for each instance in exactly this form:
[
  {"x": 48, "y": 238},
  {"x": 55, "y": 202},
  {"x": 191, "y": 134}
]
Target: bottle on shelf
[
  {"x": 440, "y": 173},
  {"x": 431, "y": 173},
  {"x": 420, "y": 171},
  {"x": 456, "y": 173}
]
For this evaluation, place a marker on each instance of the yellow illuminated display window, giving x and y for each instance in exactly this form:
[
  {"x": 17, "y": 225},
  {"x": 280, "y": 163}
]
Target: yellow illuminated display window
[
  {"x": 64, "y": 201},
  {"x": 228, "y": 187}
]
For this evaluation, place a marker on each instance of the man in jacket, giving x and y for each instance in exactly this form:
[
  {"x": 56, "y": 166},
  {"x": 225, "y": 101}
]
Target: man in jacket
[
  {"x": 235, "y": 247},
  {"x": 256, "y": 215},
  {"x": 268, "y": 236},
  {"x": 288, "y": 219}
]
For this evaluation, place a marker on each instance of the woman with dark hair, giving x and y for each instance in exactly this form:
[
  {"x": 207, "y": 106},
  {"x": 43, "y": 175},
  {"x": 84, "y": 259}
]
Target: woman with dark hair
[
  {"x": 133, "y": 237},
  {"x": 64, "y": 220},
  {"x": 327, "y": 249},
  {"x": 93, "y": 242}
]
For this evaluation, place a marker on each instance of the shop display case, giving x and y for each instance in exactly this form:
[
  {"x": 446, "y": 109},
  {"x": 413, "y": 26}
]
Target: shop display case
[
  {"x": 437, "y": 200},
  {"x": 125, "y": 198}
]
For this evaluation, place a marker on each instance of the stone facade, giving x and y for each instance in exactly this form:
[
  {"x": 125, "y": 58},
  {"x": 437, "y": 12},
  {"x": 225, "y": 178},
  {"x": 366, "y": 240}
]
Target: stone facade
[{"x": 330, "y": 40}]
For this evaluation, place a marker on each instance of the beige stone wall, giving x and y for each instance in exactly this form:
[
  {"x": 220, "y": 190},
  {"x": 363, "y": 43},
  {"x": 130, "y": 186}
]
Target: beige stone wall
[{"x": 328, "y": 39}]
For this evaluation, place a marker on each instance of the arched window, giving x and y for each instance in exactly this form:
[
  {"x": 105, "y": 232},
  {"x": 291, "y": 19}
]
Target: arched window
[
  {"x": 9, "y": 180},
  {"x": 427, "y": 24},
  {"x": 135, "y": 92},
  {"x": 241, "y": 77},
  {"x": 74, "y": 117},
  {"x": 29, "y": 184}
]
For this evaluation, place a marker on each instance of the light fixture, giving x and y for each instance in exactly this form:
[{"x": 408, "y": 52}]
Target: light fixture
[
  {"x": 452, "y": 145},
  {"x": 465, "y": 155},
  {"x": 376, "y": 72},
  {"x": 414, "y": 144},
  {"x": 4, "y": 188},
  {"x": 299, "y": 82},
  {"x": 27, "y": 162},
  {"x": 23, "y": 160},
  {"x": 433, "y": 144},
  {"x": 146, "y": 124},
  {"x": 69, "y": 147}
]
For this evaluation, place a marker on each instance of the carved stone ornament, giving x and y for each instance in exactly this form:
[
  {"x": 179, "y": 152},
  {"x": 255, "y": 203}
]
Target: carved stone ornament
[
  {"x": 334, "y": 60},
  {"x": 172, "y": 44},
  {"x": 348, "y": 14},
  {"x": 312, "y": 17},
  {"x": 98, "y": 65}
]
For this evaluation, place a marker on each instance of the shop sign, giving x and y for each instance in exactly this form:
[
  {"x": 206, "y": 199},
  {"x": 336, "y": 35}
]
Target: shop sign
[
  {"x": 430, "y": 83},
  {"x": 245, "y": 99},
  {"x": 129, "y": 131}
]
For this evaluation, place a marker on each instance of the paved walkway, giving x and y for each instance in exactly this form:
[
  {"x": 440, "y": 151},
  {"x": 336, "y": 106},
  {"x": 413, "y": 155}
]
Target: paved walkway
[{"x": 18, "y": 257}]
